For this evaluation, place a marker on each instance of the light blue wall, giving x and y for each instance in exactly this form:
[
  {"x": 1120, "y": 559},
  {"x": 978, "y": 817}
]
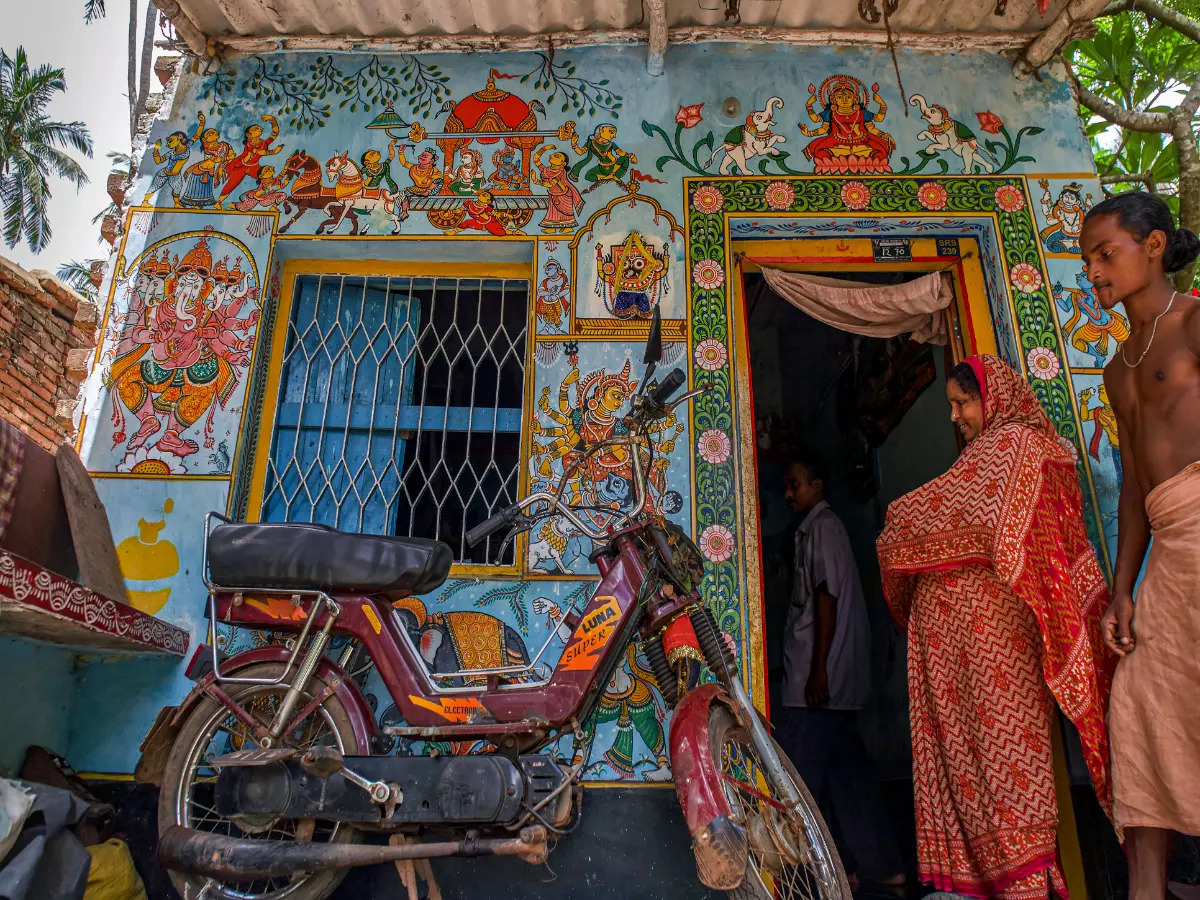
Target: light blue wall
[{"x": 37, "y": 700}]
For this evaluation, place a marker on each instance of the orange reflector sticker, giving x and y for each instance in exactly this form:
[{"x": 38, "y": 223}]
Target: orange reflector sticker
[
  {"x": 591, "y": 636},
  {"x": 461, "y": 709}
]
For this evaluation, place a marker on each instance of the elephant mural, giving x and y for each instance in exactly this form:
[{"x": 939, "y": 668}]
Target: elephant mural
[
  {"x": 745, "y": 142},
  {"x": 460, "y": 639}
]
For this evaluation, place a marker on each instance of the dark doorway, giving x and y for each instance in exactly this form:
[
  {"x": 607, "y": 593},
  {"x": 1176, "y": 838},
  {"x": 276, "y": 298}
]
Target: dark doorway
[{"x": 875, "y": 413}]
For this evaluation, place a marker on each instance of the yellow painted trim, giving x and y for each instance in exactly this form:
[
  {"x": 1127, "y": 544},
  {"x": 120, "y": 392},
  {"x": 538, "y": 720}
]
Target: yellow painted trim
[
  {"x": 750, "y": 538},
  {"x": 112, "y": 291},
  {"x": 401, "y": 238},
  {"x": 405, "y": 268},
  {"x": 266, "y": 428},
  {"x": 1068, "y": 828},
  {"x": 293, "y": 268},
  {"x": 105, "y": 776},
  {"x": 130, "y": 476}
]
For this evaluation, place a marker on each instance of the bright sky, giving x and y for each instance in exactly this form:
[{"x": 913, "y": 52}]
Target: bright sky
[{"x": 94, "y": 59}]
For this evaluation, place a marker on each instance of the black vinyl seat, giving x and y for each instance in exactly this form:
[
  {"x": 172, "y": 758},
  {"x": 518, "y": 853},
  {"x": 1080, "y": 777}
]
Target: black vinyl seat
[{"x": 287, "y": 556}]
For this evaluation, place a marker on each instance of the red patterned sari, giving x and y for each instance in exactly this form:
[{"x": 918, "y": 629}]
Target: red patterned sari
[{"x": 990, "y": 570}]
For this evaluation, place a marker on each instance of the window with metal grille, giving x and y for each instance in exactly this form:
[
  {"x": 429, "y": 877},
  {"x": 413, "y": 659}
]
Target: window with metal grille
[{"x": 400, "y": 406}]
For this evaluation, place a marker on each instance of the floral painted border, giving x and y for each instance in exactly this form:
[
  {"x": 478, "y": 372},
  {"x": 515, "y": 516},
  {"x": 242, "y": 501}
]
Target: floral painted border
[{"x": 711, "y": 200}]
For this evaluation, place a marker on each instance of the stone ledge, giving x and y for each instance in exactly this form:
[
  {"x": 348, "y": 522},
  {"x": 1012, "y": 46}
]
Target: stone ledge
[
  {"x": 64, "y": 414},
  {"x": 68, "y": 299},
  {"x": 21, "y": 280},
  {"x": 78, "y": 362}
]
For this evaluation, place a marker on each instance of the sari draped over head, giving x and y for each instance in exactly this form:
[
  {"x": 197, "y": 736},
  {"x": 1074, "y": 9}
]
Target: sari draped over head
[{"x": 1005, "y": 520}]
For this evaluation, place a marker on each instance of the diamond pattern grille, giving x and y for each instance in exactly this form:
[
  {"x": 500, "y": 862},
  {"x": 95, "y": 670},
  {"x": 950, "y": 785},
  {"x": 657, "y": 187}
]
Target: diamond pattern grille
[{"x": 400, "y": 406}]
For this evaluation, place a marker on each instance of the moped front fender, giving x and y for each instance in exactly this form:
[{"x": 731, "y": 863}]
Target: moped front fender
[
  {"x": 719, "y": 842},
  {"x": 157, "y": 743}
]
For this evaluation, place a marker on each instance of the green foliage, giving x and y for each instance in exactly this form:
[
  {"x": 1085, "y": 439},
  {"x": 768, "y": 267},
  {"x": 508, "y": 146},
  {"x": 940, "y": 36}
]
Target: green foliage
[
  {"x": 33, "y": 148},
  {"x": 1140, "y": 65},
  {"x": 79, "y": 276}
]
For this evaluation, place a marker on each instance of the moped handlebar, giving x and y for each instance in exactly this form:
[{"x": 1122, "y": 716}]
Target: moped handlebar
[
  {"x": 492, "y": 524},
  {"x": 669, "y": 386}
]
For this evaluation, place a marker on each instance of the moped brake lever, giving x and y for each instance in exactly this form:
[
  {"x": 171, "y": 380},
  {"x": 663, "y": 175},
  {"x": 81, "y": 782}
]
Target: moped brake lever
[{"x": 521, "y": 523}]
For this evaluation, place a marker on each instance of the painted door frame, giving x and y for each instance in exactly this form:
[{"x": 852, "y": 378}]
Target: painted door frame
[{"x": 1018, "y": 295}]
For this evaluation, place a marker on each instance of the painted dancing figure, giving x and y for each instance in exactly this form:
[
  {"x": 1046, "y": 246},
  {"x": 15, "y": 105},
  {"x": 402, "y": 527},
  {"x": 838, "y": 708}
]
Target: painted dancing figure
[{"x": 179, "y": 147}]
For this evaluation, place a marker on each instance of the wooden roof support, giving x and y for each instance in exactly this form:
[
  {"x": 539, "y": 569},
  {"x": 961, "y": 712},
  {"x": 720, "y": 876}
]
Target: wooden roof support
[
  {"x": 1073, "y": 22},
  {"x": 658, "y": 36},
  {"x": 692, "y": 34},
  {"x": 186, "y": 28}
]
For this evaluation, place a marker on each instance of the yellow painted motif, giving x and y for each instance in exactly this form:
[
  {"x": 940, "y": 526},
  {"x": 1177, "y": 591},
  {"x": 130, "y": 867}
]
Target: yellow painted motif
[
  {"x": 369, "y": 612},
  {"x": 147, "y": 563}
]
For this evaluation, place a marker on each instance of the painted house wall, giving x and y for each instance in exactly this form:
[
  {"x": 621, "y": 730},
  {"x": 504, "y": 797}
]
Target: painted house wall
[
  {"x": 39, "y": 695},
  {"x": 676, "y": 173}
]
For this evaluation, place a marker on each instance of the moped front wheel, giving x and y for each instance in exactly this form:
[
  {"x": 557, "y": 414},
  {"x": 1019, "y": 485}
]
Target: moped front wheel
[
  {"x": 790, "y": 853},
  {"x": 189, "y": 782}
]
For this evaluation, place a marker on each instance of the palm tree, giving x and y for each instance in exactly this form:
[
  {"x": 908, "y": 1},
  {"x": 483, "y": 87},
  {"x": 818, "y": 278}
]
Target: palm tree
[
  {"x": 137, "y": 67},
  {"x": 79, "y": 276},
  {"x": 32, "y": 148}
]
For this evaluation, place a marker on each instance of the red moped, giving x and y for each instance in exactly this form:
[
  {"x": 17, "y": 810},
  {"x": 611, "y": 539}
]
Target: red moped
[{"x": 274, "y": 766}]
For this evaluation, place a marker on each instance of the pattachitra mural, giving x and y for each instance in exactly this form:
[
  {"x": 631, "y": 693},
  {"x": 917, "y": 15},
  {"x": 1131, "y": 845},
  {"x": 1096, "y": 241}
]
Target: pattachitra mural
[
  {"x": 177, "y": 343},
  {"x": 616, "y": 194}
]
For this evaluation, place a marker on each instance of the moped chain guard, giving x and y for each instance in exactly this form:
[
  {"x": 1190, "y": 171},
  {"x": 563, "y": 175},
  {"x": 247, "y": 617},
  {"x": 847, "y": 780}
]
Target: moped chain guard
[{"x": 452, "y": 790}]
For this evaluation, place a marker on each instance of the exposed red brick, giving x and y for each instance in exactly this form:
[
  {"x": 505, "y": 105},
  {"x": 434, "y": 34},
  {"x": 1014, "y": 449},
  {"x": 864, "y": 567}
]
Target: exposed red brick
[{"x": 47, "y": 340}]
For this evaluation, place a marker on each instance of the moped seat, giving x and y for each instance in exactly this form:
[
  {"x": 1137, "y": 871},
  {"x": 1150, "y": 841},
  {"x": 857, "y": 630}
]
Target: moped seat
[{"x": 288, "y": 556}]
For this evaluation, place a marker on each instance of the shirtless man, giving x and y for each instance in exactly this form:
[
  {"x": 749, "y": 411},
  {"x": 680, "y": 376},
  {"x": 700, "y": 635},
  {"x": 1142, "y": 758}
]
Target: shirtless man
[{"x": 1130, "y": 244}]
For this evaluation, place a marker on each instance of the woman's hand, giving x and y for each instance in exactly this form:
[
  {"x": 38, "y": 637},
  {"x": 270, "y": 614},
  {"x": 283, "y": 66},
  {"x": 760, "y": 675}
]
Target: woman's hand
[{"x": 1116, "y": 625}]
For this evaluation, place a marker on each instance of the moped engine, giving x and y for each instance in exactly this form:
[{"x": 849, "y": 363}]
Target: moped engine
[{"x": 444, "y": 790}]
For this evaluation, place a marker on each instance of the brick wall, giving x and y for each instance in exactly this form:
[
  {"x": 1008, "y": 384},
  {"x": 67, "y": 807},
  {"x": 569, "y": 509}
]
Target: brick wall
[{"x": 47, "y": 336}]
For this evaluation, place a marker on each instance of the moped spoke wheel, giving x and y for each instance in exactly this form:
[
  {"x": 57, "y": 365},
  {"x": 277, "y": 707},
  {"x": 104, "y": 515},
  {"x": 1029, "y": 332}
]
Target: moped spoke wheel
[
  {"x": 189, "y": 784},
  {"x": 790, "y": 853}
]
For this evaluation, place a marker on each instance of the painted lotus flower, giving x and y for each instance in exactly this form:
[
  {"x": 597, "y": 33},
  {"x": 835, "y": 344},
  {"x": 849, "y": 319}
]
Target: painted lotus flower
[
  {"x": 779, "y": 195},
  {"x": 151, "y": 461},
  {"x": 708, "y": 274},
  {"x": 711, "y": 354},
  {"x": 990, "y": 122},
  {"x": 707, "y": 199},
  {"x": 689, "y": 116},
  {"x": 1026, "y": 278},
  {"x": 714, "y": 446},
  {"x": 856, "y": 195},
  {"x": 1043, "y": 363},
  {"x": 932, "y": 196},
  {"x": 1009, "y": 198},
  {"x": 716, "y": 543}
]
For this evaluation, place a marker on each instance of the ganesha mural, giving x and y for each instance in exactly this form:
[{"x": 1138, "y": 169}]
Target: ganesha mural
[{"x": 177, "y": 347}]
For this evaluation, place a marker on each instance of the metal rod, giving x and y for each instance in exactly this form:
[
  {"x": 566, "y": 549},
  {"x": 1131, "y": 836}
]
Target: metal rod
[
  {"x": 233, "y": 860},
  {"x": 507, "y": 670},
  {"x": 762, "y": 743},
  {"x": 311, "y": 659}
]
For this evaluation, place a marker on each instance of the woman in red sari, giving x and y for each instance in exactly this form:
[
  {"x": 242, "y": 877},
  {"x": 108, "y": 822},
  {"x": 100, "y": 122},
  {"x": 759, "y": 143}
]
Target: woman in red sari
[{"x": 990, "y": 570}]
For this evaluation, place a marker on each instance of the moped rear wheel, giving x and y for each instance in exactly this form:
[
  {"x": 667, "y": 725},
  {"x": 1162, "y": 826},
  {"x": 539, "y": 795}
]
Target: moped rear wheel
[
  {"x": 189, "y": 781},
  {"x": 790, "y": 853}
]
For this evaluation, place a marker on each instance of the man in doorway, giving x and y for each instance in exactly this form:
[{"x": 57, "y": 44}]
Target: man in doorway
[
  {"x": 1131, "y": 247},
  {"x": 827, "y": 681}
]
